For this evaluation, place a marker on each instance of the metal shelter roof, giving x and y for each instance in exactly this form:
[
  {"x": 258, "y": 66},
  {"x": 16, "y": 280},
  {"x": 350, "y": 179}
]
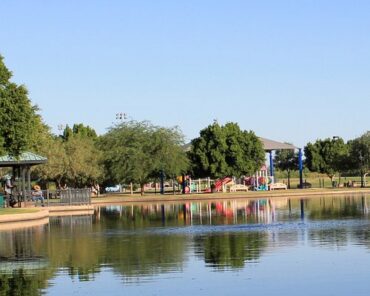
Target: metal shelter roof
[
  {"x": 26, "y": 158},
  {"x": 270, "y": 145}
]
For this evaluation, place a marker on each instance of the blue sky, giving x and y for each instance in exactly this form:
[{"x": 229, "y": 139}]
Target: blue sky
[{"x": 291, "y": 71}]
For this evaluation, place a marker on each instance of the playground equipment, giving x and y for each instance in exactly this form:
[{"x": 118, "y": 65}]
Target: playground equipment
[
  {"x": 260, "y": 181},
  {"x": 220, "y": 184}
]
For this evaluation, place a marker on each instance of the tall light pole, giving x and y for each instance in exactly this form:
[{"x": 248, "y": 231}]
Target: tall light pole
[
  {"x": 121, "y": 116},
  {"x": 61, "y": 128}
]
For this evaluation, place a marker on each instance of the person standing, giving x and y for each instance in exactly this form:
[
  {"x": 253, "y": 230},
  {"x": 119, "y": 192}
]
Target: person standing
[{"x": 9, "y": 187}]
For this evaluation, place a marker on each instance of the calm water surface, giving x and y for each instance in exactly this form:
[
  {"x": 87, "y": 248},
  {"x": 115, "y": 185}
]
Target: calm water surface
[{"x": 317, "y": 246}]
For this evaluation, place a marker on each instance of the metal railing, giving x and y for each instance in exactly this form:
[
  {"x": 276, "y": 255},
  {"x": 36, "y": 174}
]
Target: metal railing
[
  {"x": 75, "y": 196},
  {"x": 72, "y": 196}
]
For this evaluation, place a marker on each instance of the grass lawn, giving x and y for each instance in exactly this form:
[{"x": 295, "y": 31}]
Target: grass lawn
[
  {"x": 8, "y": 211},
  {"x": 324, "y": 181}
]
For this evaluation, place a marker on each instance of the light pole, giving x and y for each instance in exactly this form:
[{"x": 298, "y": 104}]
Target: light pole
[
  {"x": 61, "y": 128},
  {"x": 121, "y": 116}
]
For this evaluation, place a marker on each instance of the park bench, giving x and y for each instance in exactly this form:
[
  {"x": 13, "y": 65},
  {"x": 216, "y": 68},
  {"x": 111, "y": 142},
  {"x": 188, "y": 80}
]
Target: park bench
[
  {"x": 274, "y": 186},
  {"x": 238, "y": 187}
]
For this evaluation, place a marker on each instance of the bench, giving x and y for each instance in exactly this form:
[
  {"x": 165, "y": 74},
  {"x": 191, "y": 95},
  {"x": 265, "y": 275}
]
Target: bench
[
  {"x": 238, "y": 187},
  {"x": 278, "y": 186}
]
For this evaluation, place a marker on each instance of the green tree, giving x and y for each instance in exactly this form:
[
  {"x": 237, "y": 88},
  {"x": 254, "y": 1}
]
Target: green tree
[
  {"x": 359, "y": 155},
  {"x": 76, "y": 162},
  {"x": 79, "y": 129},
  {"x": 326, "y": 156},
  {"x": 286, "y": 160},
  {"x": 56, "y": 169},
  {"x": 137, "y": 151},
  {"x": 83, "y": 165},
  {"x": 225, "y": 151},
  {"x": 17, "y": 115}
]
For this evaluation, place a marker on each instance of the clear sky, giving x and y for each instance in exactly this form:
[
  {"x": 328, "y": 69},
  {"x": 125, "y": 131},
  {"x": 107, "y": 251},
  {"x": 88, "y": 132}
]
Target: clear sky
[{"x": 291, "y": 71}]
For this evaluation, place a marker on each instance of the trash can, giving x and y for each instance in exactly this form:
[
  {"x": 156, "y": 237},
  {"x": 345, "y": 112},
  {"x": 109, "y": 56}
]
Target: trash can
[
  {"x": 334, "y": 183},
  {"x": 2, "y": 203}
]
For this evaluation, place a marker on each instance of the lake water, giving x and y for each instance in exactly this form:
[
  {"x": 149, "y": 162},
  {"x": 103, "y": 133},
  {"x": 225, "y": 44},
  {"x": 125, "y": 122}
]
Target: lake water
[{"x": 317, "y": 246}]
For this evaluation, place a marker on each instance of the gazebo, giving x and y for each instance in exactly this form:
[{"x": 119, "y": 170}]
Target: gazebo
[
  {"x": 22, "y": 167},
  {"x": 270, "y": 145}
]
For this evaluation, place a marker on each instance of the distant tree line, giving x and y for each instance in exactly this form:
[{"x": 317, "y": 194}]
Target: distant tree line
[{"x": 140, "y": 152}]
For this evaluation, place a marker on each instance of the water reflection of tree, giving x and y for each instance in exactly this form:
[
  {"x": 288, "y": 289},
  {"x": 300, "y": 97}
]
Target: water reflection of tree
[
  {"x": 335, "y": 208},
  {"x": 231, "y": 249},
  {"x": 335, "y": 237},
  {"x": 20, "y": 282},
  {"x": 22, "y": 258},
  {"x": 362, "y": 236},
  {"x": 146, "y": 254},
  {"x": 72, "y": 245}
]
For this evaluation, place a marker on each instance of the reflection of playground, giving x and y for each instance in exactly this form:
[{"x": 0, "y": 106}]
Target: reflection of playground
[{"x": 227, "y": 211}]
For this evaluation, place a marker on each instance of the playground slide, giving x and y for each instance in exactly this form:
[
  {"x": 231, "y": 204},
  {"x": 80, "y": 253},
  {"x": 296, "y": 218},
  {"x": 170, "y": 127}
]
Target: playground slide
[
  {"x": 222, "y": 181},
  {"x": 218, "y": 184}
]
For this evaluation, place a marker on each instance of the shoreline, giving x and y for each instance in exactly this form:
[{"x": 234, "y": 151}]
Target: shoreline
[
  {"x": 292, "y": 193},
  {"x": 41, "y": 215}
]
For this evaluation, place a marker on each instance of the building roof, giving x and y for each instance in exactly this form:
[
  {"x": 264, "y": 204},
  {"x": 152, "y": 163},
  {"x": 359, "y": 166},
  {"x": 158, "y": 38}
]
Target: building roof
[
  {"x": 26, "y": 158},
  {"x": 270, "y": 145}
]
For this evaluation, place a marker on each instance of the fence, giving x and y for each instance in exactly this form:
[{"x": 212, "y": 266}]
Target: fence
[{"x": 74, "y": 196}]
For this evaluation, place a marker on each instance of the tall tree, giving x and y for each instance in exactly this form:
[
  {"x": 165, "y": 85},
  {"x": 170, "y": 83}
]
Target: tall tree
[
  {"x": 326, "y": 156},
  {"x": 226, "y": 150},
  {"x": 359, "y": 155},
  {"x": 286, "y": 160},
  {"x": 75, "y": 161},
  {"x": 83, "y": 165},
  {"x": 137, "y": 151},
  {"x": 80, "y": 130},
  {"x": 56, "y": 169},
  {"x": 17, "y": 115}
]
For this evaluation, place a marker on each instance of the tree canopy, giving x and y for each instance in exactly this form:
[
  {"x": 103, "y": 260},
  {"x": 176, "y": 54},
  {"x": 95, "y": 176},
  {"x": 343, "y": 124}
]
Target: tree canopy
[
  {"x": 359, "y": 153},
  {"x": 226, "y": 150},
  {"x": 74, "y": 160},
  {"x": 79, "y": 130},
  {"x": 286, "y": 160},
  {"x": 326, "y": 156},
  {"x": 18, "y": 117},
  {"x": 137, "y": 151}
]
